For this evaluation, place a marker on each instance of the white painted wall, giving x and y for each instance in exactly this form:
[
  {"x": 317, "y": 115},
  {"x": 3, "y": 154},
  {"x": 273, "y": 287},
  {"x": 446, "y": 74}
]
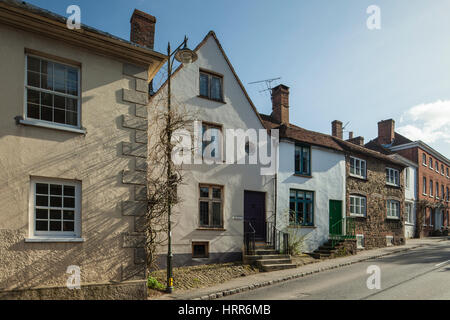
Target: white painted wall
[
  {"x": 235, "y": 113},
  {"x": 411, "y": 196},
  {"x": 327, "y": 182}
]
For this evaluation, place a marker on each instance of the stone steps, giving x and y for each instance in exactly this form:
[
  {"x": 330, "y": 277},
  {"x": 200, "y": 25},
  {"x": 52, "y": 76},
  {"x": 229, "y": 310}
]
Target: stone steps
[{"x": 267, "y": 259}]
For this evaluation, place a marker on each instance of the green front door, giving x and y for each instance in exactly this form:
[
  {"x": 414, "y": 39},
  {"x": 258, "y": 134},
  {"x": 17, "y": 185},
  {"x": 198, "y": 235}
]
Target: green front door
[{"x": 335, "y": 217}]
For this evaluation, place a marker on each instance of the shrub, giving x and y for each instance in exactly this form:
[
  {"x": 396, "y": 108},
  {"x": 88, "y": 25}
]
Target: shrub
[{"x": 153, "y": 283}]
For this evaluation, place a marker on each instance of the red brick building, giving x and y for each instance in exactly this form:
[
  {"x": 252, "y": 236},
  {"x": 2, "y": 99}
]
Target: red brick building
[{"x": 433, "y": 177}]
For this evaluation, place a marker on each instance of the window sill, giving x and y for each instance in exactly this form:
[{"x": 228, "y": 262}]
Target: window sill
[
  {"x": 37, "y": 123},
  {"x": 409, "y": 224},
  {"x": 393, "y": 218},
  {"x": 356, "y": 216},
  {"x": 210, "y": 99},
  {"x": 301, "y": 227},
  {"x": 358, "y": 177},
  {"x": 393, "y": 185},
  {"x": 211, "y": 229},
  {"x": 302, "y": 175},
  {"x": 53, "y": 240}
]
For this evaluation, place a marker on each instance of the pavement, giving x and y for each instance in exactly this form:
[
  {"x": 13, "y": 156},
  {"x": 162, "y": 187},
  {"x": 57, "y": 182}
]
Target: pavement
[{"x": 241, "y": 288}]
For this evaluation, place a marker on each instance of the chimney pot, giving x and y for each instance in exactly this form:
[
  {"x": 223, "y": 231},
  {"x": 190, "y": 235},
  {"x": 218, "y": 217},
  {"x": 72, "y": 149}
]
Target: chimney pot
[
  {"x": 143, "y": 29},
  {"x": 386, "y": 131},
  {"x": 336, "y": 129},
  {"x": 280, "y": 104},
  {"x": 350, "y": 135}
]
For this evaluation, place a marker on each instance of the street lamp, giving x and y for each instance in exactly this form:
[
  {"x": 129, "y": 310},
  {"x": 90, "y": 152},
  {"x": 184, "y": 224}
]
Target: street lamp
[{"x": 185, "y": 56}]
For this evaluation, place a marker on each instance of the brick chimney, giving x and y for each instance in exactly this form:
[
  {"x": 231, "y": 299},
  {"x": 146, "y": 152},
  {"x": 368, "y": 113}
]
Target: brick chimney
[
  {"x": 336, "y": 129},
  {"x": 280, "y": 104},
  {"x": 357, "y": 140},
  {"x": 143, "y": 29},
  {"x": 386, "y": 131}
]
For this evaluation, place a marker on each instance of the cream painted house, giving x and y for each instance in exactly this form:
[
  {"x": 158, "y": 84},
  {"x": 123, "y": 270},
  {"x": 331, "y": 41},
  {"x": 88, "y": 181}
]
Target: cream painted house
[
  {"x": 72, "y": 154},
  {"x": 216, "y": 199}
]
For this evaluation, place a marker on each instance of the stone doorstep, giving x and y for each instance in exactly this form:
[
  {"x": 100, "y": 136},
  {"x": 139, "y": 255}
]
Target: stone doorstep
[{"x": 254, "y": 286}]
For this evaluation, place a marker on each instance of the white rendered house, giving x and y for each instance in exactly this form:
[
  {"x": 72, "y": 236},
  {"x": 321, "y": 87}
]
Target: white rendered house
[
  {"x": 310, "y": 179},
  {"x": 208, "y": 226}
]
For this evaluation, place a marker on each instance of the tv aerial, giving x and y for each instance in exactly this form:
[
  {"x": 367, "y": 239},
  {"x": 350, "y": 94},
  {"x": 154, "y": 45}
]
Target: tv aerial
[{"x": 268, "y": 84}]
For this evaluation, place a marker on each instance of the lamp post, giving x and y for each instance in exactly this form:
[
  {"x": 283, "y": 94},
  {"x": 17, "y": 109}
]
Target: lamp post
[{"x": 185, "y": 56}]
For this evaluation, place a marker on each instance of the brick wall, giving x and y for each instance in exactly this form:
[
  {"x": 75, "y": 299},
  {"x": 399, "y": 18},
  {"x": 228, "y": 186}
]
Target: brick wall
[{"x": 425, "y": 227}]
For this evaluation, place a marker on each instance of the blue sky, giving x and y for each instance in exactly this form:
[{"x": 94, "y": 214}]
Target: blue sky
[{"x": 335, "y": 66}]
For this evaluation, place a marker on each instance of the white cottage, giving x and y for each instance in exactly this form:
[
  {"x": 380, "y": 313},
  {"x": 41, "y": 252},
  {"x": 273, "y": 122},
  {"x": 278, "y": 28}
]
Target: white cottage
[
  {"x": 208, "y": 226},
  {"x": 410, "y": 174},
  {"x": 310, "y": 178}
]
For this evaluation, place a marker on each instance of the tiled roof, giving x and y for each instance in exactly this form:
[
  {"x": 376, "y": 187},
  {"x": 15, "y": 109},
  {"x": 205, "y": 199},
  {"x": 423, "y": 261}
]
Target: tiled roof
[
  {"x": 398, "y": 140},
  {"x": 324, "y": 140},
  {"x": 301, "y": 135}
]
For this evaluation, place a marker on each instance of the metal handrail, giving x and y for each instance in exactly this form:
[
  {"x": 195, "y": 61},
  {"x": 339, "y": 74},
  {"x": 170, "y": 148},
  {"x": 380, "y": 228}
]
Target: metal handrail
[
  {"x": 277, "y": 239},
  {"x": 249, "y": 238},
  {"x": 342, "y": 230}
]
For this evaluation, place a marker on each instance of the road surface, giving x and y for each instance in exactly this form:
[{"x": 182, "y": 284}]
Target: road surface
[{"x": 420, "y": 274}]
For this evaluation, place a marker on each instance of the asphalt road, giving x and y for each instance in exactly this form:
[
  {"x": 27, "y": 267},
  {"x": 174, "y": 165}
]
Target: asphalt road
[{"x": 419, "y": 274}]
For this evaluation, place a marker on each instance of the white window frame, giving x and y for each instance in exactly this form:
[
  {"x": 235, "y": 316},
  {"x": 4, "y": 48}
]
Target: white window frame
[
  {"x": 54, "y": 236},
  {"x": 390, "y": 206},
  {"x": 51, "y": 124},
  {"x": 360, "y": 206},
  {"x": 424, "y": 160},
  {"x": 424, "y": 186},
  {"x": 360, "y": 241},
  {"x": 358, "y": 166},
  {"x": 436, "y": 166},
  {"x": 409, "y": 212},
  {"x": 392, "y": 177},
  {"x": 437, "y": 190},
  {"x": 407, "y": 174},
  {"x": 431, "y": 186}
]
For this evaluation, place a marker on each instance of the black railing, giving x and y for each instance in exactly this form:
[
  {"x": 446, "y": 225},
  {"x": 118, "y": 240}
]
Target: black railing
[
  {"x": 249, "y": 238},
  {"x": 277, "y": 239}
]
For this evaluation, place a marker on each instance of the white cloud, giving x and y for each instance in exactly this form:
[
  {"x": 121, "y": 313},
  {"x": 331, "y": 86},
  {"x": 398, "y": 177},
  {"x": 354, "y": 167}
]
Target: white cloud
[{"x": 429, "y": 122}]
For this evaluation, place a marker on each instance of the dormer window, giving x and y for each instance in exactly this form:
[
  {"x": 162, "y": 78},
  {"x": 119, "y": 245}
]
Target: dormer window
[{"x": 211, "y": 86}]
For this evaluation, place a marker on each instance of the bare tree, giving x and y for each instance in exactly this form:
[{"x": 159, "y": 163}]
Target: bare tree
[{"x": 164, "y": 175}]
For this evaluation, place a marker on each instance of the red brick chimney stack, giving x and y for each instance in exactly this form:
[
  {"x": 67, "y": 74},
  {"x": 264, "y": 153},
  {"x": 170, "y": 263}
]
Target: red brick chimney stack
[
  {"x": 336, "y": 129},
  {"x": 280, "y": 104},
  {"x": 143, "y": 29},
  {"x": 386, "y": 131}
]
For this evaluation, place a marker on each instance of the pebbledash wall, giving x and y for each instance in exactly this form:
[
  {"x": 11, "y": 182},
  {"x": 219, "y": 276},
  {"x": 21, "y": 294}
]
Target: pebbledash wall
[
  {"x": 108, "y": 161},
  {"x": 327, "y": 182},
  {"x": 235, "y": 112},
  {"x": 376, "y": 226}
]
